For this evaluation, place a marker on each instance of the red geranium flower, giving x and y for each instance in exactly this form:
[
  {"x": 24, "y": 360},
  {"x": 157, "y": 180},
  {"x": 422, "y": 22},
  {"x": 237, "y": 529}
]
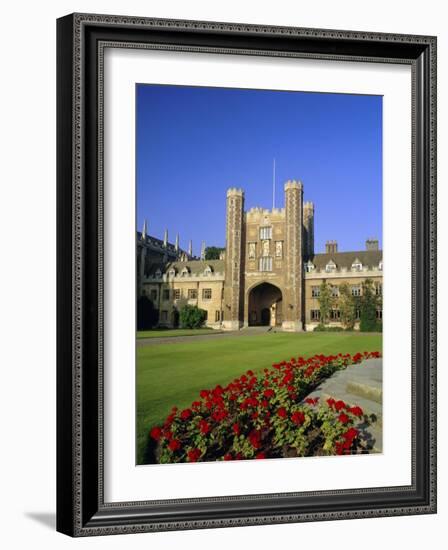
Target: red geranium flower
[
  {"x": 343, "y": 418},
  {"x": 194, "y": 455},
  {"x": 357, "y": 411},
  {"x": 185, "y": 414},
  {"x": 204, "y": 426},
  {"x": 156, "y": 433},
  {"x": 174, "y": 445},
  {"x": 298, "y": 418},
  {"x": 282, "y": 412},
  {"x": 236, "y": 429},
  {"x": 254, "y": 438},
  {"x": 228, "y": 456},
  {"x": 350, "y": 434},
  {"x": 311, "y": 401},
  {"x": 339, "y": 405},
  {"x": 269, "y": 393},
  {"x": 260, "y": 455}
]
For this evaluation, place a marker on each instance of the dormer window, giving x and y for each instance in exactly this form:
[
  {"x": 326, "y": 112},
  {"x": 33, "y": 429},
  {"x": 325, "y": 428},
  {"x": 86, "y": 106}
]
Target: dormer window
[
  {"x": 330, "y": 267},
  {"x": 172, "y": 272},
  {"x": 380, "y": 266},
  {"x": 356, "y": 265},
  {"x": 309, "y": 267},
  {"x": 208, "y": 270},
  {"x": 185, "y": 272},
  {"x": 158, "y": 274}
]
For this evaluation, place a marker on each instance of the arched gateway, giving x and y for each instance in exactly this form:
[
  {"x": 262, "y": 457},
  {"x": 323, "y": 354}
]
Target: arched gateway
[{"x": 265, "y": 303}]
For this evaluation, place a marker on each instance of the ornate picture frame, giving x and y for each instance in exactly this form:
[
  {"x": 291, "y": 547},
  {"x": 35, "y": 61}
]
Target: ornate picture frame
[{"x": 81, "y": 42}]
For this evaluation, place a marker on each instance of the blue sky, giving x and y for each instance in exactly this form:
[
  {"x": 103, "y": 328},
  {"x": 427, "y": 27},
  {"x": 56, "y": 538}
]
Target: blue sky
[{"x": 194, "y": 143}]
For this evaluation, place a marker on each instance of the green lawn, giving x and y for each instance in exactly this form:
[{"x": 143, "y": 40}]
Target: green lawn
[
  {"x": 173, "y": 374},
  {"x": 167, "y": 333}
]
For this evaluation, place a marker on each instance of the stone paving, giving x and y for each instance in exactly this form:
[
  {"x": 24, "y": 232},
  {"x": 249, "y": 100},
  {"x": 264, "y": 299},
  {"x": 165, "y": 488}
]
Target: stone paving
[{"x": 361, "y": 385}]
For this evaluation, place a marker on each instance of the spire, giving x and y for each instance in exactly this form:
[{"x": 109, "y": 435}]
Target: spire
[
  {"x": 165, "y": 238},
  {"x": 203, "y": 250},
  {"x": 176, "y": 246},
  {"x": 190, "y": 248},
  {"x": 144, "y": 231}
]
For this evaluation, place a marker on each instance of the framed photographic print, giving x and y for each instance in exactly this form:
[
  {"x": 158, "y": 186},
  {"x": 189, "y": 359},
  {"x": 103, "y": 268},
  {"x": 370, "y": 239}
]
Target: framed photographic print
[{"x": 246, "y": 274}]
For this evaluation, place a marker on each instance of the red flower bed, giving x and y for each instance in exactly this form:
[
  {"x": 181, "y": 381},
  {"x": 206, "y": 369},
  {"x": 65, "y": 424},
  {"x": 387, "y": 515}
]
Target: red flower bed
[{"x": 265, "y": 415}]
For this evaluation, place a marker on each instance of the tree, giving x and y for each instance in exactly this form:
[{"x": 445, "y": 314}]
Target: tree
[
  {"x": 213, "y": 252},
  {"x": 192, "y": 317},
  {"x": 147, "y": 315},
  {"x": 347, "y": 306},
  {"x": 368, "y": 307},
  {"x": 325, "y": 300}
]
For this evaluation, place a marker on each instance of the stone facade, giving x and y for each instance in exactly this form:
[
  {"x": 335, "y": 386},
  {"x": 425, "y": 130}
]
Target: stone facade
[{"x": 268, "y": 274}]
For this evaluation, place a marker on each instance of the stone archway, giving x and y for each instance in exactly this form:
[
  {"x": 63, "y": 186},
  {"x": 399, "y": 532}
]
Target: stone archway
[{"x": 265, "y": 305}]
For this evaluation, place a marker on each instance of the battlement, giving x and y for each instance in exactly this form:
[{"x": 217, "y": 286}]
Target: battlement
[
  {"x": 293, "y": 184},
  {"x": 234, "y": 191},
  {"x": 307, "y": 205},
  {"x": 257, "y": 211}
]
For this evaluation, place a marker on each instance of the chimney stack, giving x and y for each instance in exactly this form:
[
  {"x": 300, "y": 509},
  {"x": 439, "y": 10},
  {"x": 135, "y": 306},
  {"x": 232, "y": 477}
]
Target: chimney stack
[
  {"x": 331, "y": 247},
  {"x": 372, "y": 244}
]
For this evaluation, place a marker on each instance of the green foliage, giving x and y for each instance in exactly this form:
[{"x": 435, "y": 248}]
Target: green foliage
[
  {"x": 347, "y": 306},
  {"x": 192, "y": 317},
  {"x": 368, "y": 306},
  {"x": 213, "y": 252},
  {"x": 325, "y": 302},
  {"x": 147, "y": 315},
  {"x": 322, "y": 328}
]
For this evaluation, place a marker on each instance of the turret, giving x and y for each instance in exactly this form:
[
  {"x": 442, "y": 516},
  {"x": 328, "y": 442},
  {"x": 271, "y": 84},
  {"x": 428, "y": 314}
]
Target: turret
[
  {"x": 234, "y": 258},
  {"x": 144, "y": 231},
  {"x": 294, "y": 229}
]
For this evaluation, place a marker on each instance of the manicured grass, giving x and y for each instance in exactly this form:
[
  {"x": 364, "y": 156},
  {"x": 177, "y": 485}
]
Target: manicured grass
[
  {"x": 167, "y": 333},
  {"x": 174, "y": 374}
]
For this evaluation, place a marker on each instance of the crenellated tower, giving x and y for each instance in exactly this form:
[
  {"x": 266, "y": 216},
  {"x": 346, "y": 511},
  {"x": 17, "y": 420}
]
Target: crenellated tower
[
  {"x": 292, "y": 315},
  {"x": 234, "y": 260}
]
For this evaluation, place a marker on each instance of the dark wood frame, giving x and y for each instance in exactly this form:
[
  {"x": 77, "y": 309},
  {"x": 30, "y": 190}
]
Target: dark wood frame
[{"x": 81, "y": 510}]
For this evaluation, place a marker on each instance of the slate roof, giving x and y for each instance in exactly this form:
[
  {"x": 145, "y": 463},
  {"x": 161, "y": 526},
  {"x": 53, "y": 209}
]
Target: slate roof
[
  {"x": 196, "y": 267},
  {"x": 370, "y": 258}
]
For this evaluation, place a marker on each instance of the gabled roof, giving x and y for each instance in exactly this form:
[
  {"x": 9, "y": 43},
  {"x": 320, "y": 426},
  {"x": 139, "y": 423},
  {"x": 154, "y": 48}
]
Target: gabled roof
[
  {"x": 369, "y": 258},
  {"x": 196, "y": 267}
]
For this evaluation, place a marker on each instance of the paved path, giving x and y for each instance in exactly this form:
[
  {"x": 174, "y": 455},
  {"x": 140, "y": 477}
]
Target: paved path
[
  {"x": 361, "y": 385},
  {"x": 250, "y": 331}
]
